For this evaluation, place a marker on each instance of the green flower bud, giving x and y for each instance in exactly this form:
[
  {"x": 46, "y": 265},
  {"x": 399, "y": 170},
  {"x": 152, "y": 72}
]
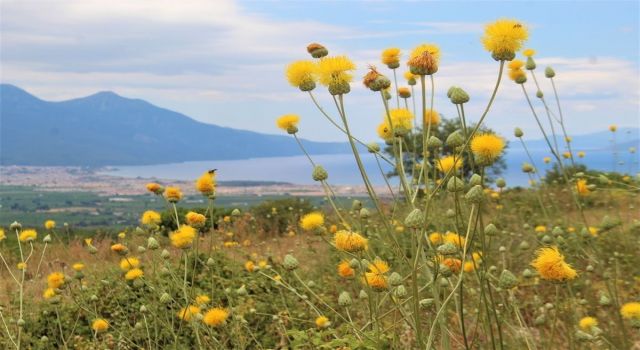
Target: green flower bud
[
  {"x": 44, "y": 339},
  {"x": 364, "y": 213},
  {"x": 503, "y": 55},
  {"x": 141, "y": 249},
  {"x": 292, "y": 129},
  {"x": 344, "y": 299},
  {"x": 604, "y": 300},
  {"x": 165, "y": 298},
  {"x": 211, "y": 262},
  {"x": 363, "y": 294},
  {"x": 539, "y": 94},
  {"x": 354, "y": 263},
  {"x": 290, "y": 263},
  {"x": 549, "y": 72},
  {"x": 415, "y": 219},
  {"x": 557, "y": 231},
  {"x": 339, "y": 88},
  {"x": 475, "y": 195},
  {"x": 93, "y": 297},
  {"x": 546, "y": 239},
  {"x": 143, "y": 309},
  {"x": 455, "y": 139},
  {"x": 425, "y": 303},
  {"x": 236, "y": 212},
  {"x": 501, "y": 183},
  {"x": 527, "y": 168},
  {"x": 518, "y": 132},
  {"x": 319, "y": 174},
  {"x": 242, "y": 291},
  {"x": 527, "y": 273},
  {"x": 92, "y": 249},
  {"x": 459, "y": 96},
  {"x": 521, "y": 79},
  {"x": 21, "y": 323},
  {"x": 444, "y": 283},
  {"x": 524, "y": 245},
  {"x": 47, "y": 239},
  {"x": 455, "y": 185},
  {"x": 474, "y": 180},
  {"x": 380, "y": 83},
  {"x": 507, "y": 280},
  {"x": 395, "y": 279},
  {"x": 152, "y": 243},
  {"x": 540, "y": 320},
  {"x": 491, "y": 230},
  {"x": 307, "y": 85},
  {"x": 531, "y": 64},
  {"x": 373, "y": 147},
  {"x": 15, "y": 226},
  {"x": 165, "y": 254},
  {"x": 400, "y": 291},
  {"x": 450, "y": 213},
  {"x": 608, "y": 223},
  {"x": 434, "y": 142},
  {"x": 448, "y": 249}
]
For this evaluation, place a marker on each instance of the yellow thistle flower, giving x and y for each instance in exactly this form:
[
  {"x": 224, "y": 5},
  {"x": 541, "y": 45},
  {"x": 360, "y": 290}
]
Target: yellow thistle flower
[
  {"x": 49, "y": 293},
  {"x": 133, "y": 274},
  {"x": 408, "y": 76},
  {"x": 118, "y": 248},
  {"x": 529, "y": 52},
  {"x": 78, "y": 267},
  {"x": 453, "y": 264},
  {"x": 55, "y": 280},
  {"x": 206, "y": 183},
  {"x": 384, "y": 131},
  {"x": 453, "y": 238},
  {"x": 581, "y": 154},
  {"x": 249, "y": 266},
  {"x": 432, "y": 49},
  {"x": 49, "y": 224},
  {"x": 468, "y": 266},
  {"x": 183, "y": 237},
  {"x": 345, "y": 270},
  {"x": 436, "y": 238},
  {"x": 173, "y": 194},
  {"x": 586, "y": 323},
  {"x": 566, "y": 155},
  {"x": 546, "y": 160},
  {"x": 582, "y": 187},
  {"x": 333, "y": 228},
  {"x": 404, "y": 92},
  {"x": 335, "y": 70},
  {"x": 28, "y": 235},
  {"x": 593, "y": 231},
  {"x": 153, "y": 187},
  {"x": 186, "y": 314},
  {"x": 391, "y": 57},
  {"x": 312, "y": 221},
  {"x": 351, "y": 242},
  {"x": 540, "y": 229},
  {"x": 263, "y": 264},
  {"x": 516, "y": 64},
  {"x": 431, "y": 116},
  {"x": 202, "y": 299},
  {"x": 477, "y": 257},
  {"x": 516, "y": 74},
  {"x": 122, "y": 235},
  {"x": 301, "y": 74},
  {"x": 445, "y": 164},
  {"x": 150, "y": 218},
  {"x": 550, "y": 265},
  {"x": 100, "y": 325},
  {"x": 487, "y": 148},
  {"x": 401, "y": 119},
  {"x": 375, "y": 277},
  {"x": 322, "y": 322},
  {"x": 195, "y": 219},
  {"x": 21, "y": 266},
  {"x": 424, "y": 59},
  {"x": 2, "y": 235},
  {"x": 129, "y": 263},
  {"x": 630, "y": 310},
  {"x": 288, "y": 121},
  {"x": 503, "y": 38},
  {"x": 215, "y": 317}
]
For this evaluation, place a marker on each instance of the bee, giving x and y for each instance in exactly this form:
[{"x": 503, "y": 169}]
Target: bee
[
  {"x": 517, "y": 26},
  {"x": 212, "y": 171}
]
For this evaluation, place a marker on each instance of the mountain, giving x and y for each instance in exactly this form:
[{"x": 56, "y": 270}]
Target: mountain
[{"x": 108, "y": 129}]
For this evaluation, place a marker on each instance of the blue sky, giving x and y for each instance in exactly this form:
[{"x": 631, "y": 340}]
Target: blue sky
[{"x": 222, "y": 61}]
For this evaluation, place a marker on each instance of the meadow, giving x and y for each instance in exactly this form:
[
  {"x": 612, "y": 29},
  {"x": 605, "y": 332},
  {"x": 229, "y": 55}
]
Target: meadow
[{"x": 453, "y": 258}]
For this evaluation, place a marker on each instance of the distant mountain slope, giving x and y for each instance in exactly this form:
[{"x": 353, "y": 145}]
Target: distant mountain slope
[{"x": 107, "y": 129}]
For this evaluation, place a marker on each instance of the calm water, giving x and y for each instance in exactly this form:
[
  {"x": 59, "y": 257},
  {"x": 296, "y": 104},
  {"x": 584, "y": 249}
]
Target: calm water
[{"x": 341, "y": 168}]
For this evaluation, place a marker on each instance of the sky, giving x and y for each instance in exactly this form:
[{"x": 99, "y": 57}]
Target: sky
[{"x": 223, "y": 61}]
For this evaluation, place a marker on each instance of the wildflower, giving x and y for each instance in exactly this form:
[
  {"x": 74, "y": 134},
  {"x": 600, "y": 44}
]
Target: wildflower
[
  {"x": 503, "y": 38},
  {"x": 586, "y": 323},
  {"x": 185, "y": 314},
  {"x": 445, "y": 164},
  {"x": 78, "y": 267},
  {"x": 215, "y": 317},
  {"x": 122, "y": 235},
  {"x": 401, "y": 119},
  {"x": 351, "y": 242},
  {"x": 345, "y": 270},
  {"x": 316, "y": 50},
  {"x": 150, "y": 218},
  {"x": 335, "y": 73},
  {"x": 468, "y": 266},
  {"x": 436, "y": 238},
  {"x": 432, "y": 49},
  {"x": 540, "y": 229},
  {"x": 173, "y": 194},
  {"x": 195, "y": 219},
  {"x": 566, "y": 155},
  {"x": 183, "y": 237},
  {"x": 376, "y": 277},
  {"x": 49, "y": 224},
  {"x": 49, "y": 293},
  {"x": 410, "y": 77},
  {"x": 312, "y": 221},
  {"x": 529, "y": 52},
  {"x": 384, "y": 131},
  {"x": 249, "y": 266},
  {"x": 453, "y": 264},
  {"x": 550, "y": 265},
  {"x": 582, "y": 187},
  {"x": 99, "y": 325},
  {"x": 2, "y": 235},
  {"x": 21, "y": 266},
  {"x": 154, "y": 188},
  {"x": 129, "y": 263},
  {"x": 28, "y": 235},
  {"x": 202, "y": 299},
  {"x": 404, "y": 92},
  {"x": 133, "y": 274},
  {"x": 515, "y": 64},
  {"x": 546, "y": 160},
  {"x": 55, "y": 280},
  {"x": 454, "y": 238},
  {"x": 375, "y": 81},
  {"x": 206, "y": 183},
  {"x": 593, "y": 231},
  {"x": 288, "y": 123},
  {"x": 630, "y": 310},
  {"x": 391, "y": 57},
  {"x": 301, "y": 74},
  {"x": 119, "y": 248},
  {"x": 487, "y": 148},
  {"x": 613, "y": 128},
  {"x": 322, "y": 322},
  {"x": 431, "y": 117},
  {"x": 262, "y": 264},
  {"x": 581, "y": 154},
  {"x": 424, "y": 59}
]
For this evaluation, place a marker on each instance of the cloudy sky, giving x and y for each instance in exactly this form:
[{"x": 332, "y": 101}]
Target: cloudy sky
[{"x": 222, "y": 61}]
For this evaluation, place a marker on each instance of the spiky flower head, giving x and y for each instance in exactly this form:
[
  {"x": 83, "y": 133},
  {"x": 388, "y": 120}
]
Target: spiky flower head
[
  {"x": 550, "y": 264},
  {"x": 55, "y": 280},
  {"x": 587, "y": 323},
  {"x": 445, "y": 164},
  {"x": 503, "y": 38},
  {"x": 288, "y": 123},
  {"x": 384, "y": 131},
  {"x": 99, "y": 325},
  {"x": 302, "y": 74},
  {"x": 424, "y": 59},
  {"x": 154, "y": 188},
  {"x": 173, "y": 194},
  {"x": 529, "y": 52},
  {"x": 187, "y": 313},
  {"x": 631, "y": 310},
  {"x": 317, "y": 50},
  {"x": 183, "y": 237},
  {"x": 195, "y": 219},
  {"x": 129, "y": 263},
  {"x": 336, "y": 73},
  {"x": 345, "y": 270},
  {"x": 28, "y": 235},
  {"x": 582, "y": 187},
  {"x": 49, "y": 224},
  {"x": 206, "y": 183},
  {"x": 312, "y": 221},
  {"x": 322, "y": 322},
  {"x": 375, "y": 81},
  {"x": 487, "y": 148},
  {"x": 401, "y": 120},
  {"x": 391, "y": 57},
  {"x": 150, "y": 218},
  {"x": 410, "y": 77},
  {"x": 376, "y": 276},
  {"x": 215, "y": 317},
  {"x": 431, "y": 117},
  {"x": 351, "y": 242},
  {"x": 133, "y": 274}
]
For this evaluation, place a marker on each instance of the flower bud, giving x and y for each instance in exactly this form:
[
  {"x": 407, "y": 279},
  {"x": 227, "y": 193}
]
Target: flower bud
[
  {"x": 501, "y": 183},
  {"x": 507, "y": 280},
  {"x": 491, "y": 230},
  {"x": 242, "y": 291},
  {"x": 363, "y": 294},
  {"x": 549, "y": 72},
  {"x": 165, "y": 254},
  {"x": 475, "y": 194},
  {"x": 290, "y": 263},
  {"x": 524, "y": 245},
  {"x": 455, "y": 139},
  {"x": 211, "y": 262},
  {"x": 15, "y": 226},
  {"x": 450, "y": 213},
  {"x": 364, "y": 213},
  {"x": 316, "y": 50},
  {"x": 319, "y": 174},
  {"x": 474, "y": 180},
  {"x": 152, "y": 243},
  {"x": 518, "y": 132},
  {"x": 539, "y": 94},
  {"x": 339, "y": 88},
  {"x": 354, "y": 263},
  {"x": 47, "y": 239},
  {"x": 400, "y": 291},
  {"x": 434, "y": 142},
  {"x": 165, "y": 298},
  {"x": 344, "y": 299},
  {"x": 415, "y": 219},
  {"x": 448, "y": 249},
  {"x": 395, "y": 279},
  {"x": 521, "y": 79},
  {"x": 455, "y": 185},
  {"x": 425, "y": 303},
  {"x": 141, "y": 249},
  {"x": 527, "y": 168},
  {"x": 531, "y": 64},
  {"x": 143, "y": 309},
  {"x": 373, "y": 147},
  {"x": 459, "y": 96}
]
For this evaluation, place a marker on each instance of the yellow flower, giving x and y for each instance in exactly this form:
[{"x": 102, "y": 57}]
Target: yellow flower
[
  {"x": 586, "y": 323},
  {"x": 468, "y": 266},
  {"x": 202, "y": 299},
  {"x": 432, "y": 49},
  {"x": 593, "y": 231},
  {"x": 249, "y": 266},
  {"x": 503, "y": 38},
  {"x": 2, "y": 235},
  {"x": 312, "y": 221},
  {"x": 582, "y": 188},
  {"x": 122, "y": 235},
  {"x": 391, "y": 57},
  {"x": 133, "y": 274},
  {"x": 119, "y": 248},
  {"x": 540, "y": 229},
  {"x": 215, "y": 317},
  {"x": 384, "y": 131},
  {"x": 546, "y": 160},
  {"x": 262, "y": 264},
  {"x": 431, "y": 116},
  {"x": 100, "y": 325},
  {"x": 195, "y": 219},
  {"x": 514, "y": 74},
  {"x": 129, "y": 263},
  {"x": 550, "y": 265},
  {"x": 173, "y": 194},
  {"x": 436, "y": 238},
  {"x": 78, "y": 266},
  {"x": 49, "y": 293},
  {"x": 301, "y": 74},
  {"x": 630, "y": 310},
  {"x": 322, "y": 322},
  {"x": 566, "y": 155},
  {"x": 529, "y": 52},
  {"x": 453, "y": 238},
  {"x": 206, "y": 183},
  {"x": 487, "y": 148},
  {"x": 183, "y": 237},
  {"x": 345, "y": 270},
  {"x": 335, "y": 70},
  {"x": 55, "y": 280},
  {"x": 400, "y": 118},
  {"x": 154, "y": 187},
  {"x": 288, "y": 121},
  {"x": 409, "y": 76},
  {"x": 613, "y": 128},
  {"x": 28, "y": 235},
  {"x": 581, "y": 154},
  {"x": 404, "y": 92},
  {"x": 21, "y": 266},
  {"x": 516, "y": 64},
  {"x": 453, "y": 264},
  {"x": 445, "y": 164},
  {"x": 185, "y": 314},
  {"x": 49, "y": 224},
  {"x": 150, "y": 218},
  {"x": 351, "y": 242}
]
